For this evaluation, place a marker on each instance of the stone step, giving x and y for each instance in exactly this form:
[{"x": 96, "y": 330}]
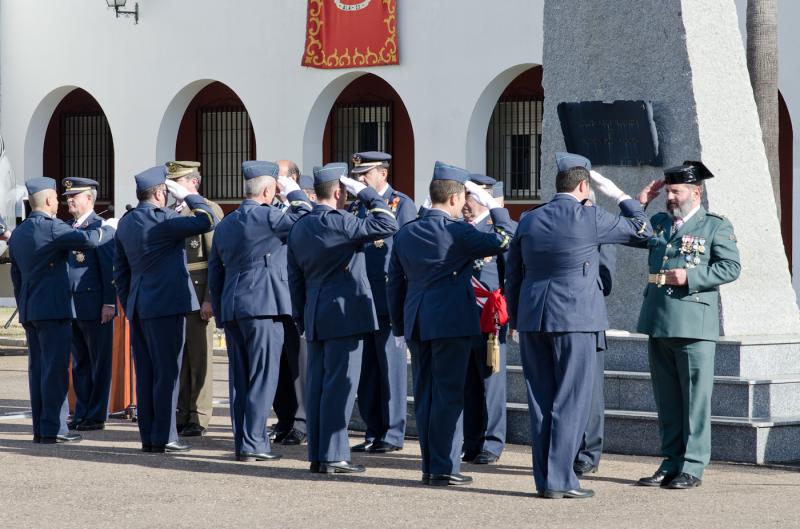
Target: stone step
[
  {"x": 13, "y": 350},
  {"x": 732, "y": 396},
  {"x": 775, "y": 440}
]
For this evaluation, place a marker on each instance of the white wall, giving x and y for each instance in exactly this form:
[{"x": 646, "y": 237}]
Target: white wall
[{"x": 144, "y": 75}]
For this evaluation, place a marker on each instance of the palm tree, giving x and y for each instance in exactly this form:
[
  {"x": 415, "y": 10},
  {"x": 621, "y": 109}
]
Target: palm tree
[{"x": 762, "y": 62}]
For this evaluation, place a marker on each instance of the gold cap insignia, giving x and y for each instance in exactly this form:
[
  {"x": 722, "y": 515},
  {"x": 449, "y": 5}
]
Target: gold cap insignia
[{"x": 67, "y": 183}]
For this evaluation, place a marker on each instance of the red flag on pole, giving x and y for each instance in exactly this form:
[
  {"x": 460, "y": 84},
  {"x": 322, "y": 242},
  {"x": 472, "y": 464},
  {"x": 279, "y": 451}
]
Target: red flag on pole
[{"x": 351, "y": 33}]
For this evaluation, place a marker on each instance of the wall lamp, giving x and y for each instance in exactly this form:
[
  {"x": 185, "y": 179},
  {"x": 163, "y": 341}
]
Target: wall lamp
[{"x": 118, "y": 4}]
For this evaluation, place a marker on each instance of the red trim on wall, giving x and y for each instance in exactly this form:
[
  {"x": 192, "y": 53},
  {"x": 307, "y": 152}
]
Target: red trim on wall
[
  {"x": 785, "y": 156},
  {"x": 370, "y": 88}
]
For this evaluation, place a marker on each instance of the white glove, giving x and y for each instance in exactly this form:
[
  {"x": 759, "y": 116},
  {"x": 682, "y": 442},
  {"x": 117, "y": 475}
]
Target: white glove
[
  {"x": 177, "y": 190},
  {"x": 480, "y": 195},
  {"x": 112, "y": 222},
  {"x": 607, "y": 187},
  {"x": 354, "y": 187},
  {"x": 400, "y": 342},
  {"x": 286, "y": 185},
  {"x": 427, "y": 204}
]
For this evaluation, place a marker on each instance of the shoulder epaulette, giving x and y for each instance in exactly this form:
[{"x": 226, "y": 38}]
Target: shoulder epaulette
[{"x": 717, "y": 215}]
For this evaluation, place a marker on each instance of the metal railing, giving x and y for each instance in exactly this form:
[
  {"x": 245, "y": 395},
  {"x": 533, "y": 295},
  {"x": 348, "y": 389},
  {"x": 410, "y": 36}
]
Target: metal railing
[
  {"x": 225, "y": 139},
  {"x": 87, "y": 151},
  {"x": 359, "y": 127}
]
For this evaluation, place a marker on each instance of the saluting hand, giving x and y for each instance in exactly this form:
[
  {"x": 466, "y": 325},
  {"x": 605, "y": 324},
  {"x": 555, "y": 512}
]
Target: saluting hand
[
  {"x": 354, "y": 187},
  {"x": 286, "y": 185},
  {"x": 606, "y": 187},
  {"x": 480, "y": 195},
  {"x": 176, "y": 190},
  {"x": 651, "y": 191}
]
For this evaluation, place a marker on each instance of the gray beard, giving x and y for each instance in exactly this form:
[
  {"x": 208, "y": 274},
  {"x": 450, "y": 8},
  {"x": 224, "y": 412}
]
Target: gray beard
[{"x": 683, "y": 209}]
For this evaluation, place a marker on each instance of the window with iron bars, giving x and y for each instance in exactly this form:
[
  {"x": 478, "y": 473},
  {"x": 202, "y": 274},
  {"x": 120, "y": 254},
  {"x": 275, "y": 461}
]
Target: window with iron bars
[
  {"x": 360, "y": 127},
  {"x": 87, "y": 151},
  {"x": 225, "y": 139},
  {"x": 513, "y": 146}
]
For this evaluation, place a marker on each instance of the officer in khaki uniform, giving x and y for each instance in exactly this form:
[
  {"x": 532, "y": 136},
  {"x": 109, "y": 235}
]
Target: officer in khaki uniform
[
  {"x": 691, "y": 253},
  {"x": 196, "y": 381}
]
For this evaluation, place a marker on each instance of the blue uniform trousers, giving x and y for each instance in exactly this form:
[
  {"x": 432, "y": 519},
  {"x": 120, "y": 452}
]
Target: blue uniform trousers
[
  {"x": 383, "y": 386},
  {"x": 48, "y": 375},
  {"x": 254, "y": 354},
  {"x": 592, "y": 443},
  {"x": 485, "y": 401},
  {"x": 91, "y": 368},
  {"x": 157, "y": 345},
  {"x": 558, "y": 368},
  {"x": 290, "y": 396},
  {"x": 439, "y": 371},
  {"x": 334, "y": 367}
]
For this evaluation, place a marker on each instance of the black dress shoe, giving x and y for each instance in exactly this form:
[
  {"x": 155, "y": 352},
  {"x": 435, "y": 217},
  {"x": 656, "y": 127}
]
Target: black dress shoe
[
  {"x": 87, "y": 426},
  {"x": 442, "y": 480},
  {"x": 382, "y": 447},
  {"x": 73, "y": 424},
  {"x": 340, "y": 467},
  {"x": 192, "y": 430},
  {"x": 570, "y": 494},
  {"x": 277, "y": 436},
  {"x": 660, "y": 478},
  {"x": 426, "y": 479},
  {"x": 469, "y": 457},
  {"x": 314, "y": 467},
  {"x": 37, "y": 439},
  {"x": 684, "y": 481},
  {"x": 362, "y": 447},
  {"x": 66, "y": 438},
  {"x": 258, "y": 456},
  {"x": 176, "y": 446},
  {"x": 581, "y": 467},
  {"x": 485, "y": 458},
  {"x": 294, "y": 438},
  {"x": 147, "y": 448}
]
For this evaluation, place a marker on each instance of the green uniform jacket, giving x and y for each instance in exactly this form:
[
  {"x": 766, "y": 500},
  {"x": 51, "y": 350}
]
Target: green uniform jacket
[
  {"x": 706, "y": 247},
  {"x": 198, "y": 248}
]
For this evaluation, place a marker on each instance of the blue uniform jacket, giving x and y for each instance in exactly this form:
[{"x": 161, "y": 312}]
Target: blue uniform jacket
[
  {"x": 331, "y": 296},
  {"x": 150, "y": 262},
  {"x": 491, "y": 270},
  {"x": 38, "y": 248},
  {"x": 430, "y": 290},
  {"x": 91, "y": 275},
  {"x": 251, "y": 279},
  {"x": 553, "y": 279},
  {"x": 378, "y": 253}
]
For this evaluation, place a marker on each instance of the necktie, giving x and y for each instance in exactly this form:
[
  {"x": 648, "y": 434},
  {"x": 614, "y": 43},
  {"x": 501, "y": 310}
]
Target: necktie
[{"x": 676, "y": 224}]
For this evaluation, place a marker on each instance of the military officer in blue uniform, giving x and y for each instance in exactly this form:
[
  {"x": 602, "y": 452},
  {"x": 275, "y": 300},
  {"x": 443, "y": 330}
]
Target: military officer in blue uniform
[
  {"x": 306, "y": 183},
  {"x": 555, "y": 301},
  {"x": 332, "y": 304},
  {"x": 485, "y": 387},
  {"x": 432, "y": 305},
  {"x": 156, "y": 292},
  {"x": 383, "y": 386},
  {"x": 290, "y": 397},
  {"x": 250, "y": 293},
  {"x": 95, "y": 298},
  {"x": 691, "y": 253},
  {"x": 39, "y": 248}
]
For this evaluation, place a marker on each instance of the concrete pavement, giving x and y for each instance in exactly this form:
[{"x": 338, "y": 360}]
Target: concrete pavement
[{"x": 105, "y": 481}]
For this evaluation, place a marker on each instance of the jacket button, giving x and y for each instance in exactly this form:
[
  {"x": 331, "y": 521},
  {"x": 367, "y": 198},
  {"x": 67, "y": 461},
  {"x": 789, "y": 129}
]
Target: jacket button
[
  {"x": 669, "y": 245},
  {"x": 89, "y": 289},
  {"x": 455, "y": 273},
  {"x": 52, "y": 265},
  {"x": 666, "y": 258}
]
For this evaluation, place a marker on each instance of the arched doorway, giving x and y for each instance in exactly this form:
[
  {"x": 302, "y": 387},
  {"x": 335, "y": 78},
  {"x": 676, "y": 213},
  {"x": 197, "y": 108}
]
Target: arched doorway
[
  {"x": 369, "y": 115},
  {"x": 514, "y": 138},
  {"x": 78, "y": 142},
  {"x": 216, "y": 131}
]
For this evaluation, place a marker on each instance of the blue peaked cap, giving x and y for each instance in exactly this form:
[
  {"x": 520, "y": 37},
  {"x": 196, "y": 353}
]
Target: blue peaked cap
[
  {"x": 151, "y": 177},
  {"x": 443, "y": 171},
  {"x": 566, "y": 161},
  {"x": 330, "y": 172},
  {"x": 34, "y": 185},
  {"x": 255, "y": 168},
  {"x": 482, "y": 180}
]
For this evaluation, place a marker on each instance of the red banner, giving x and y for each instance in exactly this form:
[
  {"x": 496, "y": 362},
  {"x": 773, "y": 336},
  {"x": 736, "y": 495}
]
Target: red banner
[{"x": 351, "y": 33}]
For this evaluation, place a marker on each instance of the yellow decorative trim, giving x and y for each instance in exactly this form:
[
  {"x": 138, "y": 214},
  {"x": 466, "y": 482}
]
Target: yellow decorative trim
[{"x": 315, "y": 55}]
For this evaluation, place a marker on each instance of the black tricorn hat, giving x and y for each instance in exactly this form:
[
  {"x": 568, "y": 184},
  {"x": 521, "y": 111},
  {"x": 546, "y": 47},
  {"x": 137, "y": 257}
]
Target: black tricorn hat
[{"x": 689, "y": 173}]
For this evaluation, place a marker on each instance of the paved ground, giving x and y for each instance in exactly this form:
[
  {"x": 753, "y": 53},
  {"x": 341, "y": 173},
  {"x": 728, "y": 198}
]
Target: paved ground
[{"x": 106, "y": 482}]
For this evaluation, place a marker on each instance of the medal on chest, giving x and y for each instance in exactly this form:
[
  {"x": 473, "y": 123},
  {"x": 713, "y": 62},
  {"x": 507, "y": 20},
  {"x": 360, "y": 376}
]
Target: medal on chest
[
  {"x": 692, "y": 247},
  {"x": 80, "y": 256},
  {"x": 380, "y": 243},
  {"x": 194, "y": 244}
]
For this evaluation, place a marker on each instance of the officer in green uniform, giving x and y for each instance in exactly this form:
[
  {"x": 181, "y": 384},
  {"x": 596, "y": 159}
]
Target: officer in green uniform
[
  {"x": 692, "y": 252},
  {"x": 196, "y": 382}
]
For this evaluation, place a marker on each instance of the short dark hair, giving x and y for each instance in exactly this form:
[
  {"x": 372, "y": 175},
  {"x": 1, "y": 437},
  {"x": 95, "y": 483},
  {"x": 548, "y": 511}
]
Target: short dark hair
[
  {"x": 325, "y": 190},
  {"x": 440, "y": 190},
  {"x": 292, "y": 170},
  {"x": 567, "y": 181},
  {"x": 147, "y": 194}
]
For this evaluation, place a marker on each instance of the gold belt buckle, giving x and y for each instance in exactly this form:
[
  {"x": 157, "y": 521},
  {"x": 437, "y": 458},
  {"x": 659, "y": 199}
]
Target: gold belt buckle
[{"x": 661, "y": 279}]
